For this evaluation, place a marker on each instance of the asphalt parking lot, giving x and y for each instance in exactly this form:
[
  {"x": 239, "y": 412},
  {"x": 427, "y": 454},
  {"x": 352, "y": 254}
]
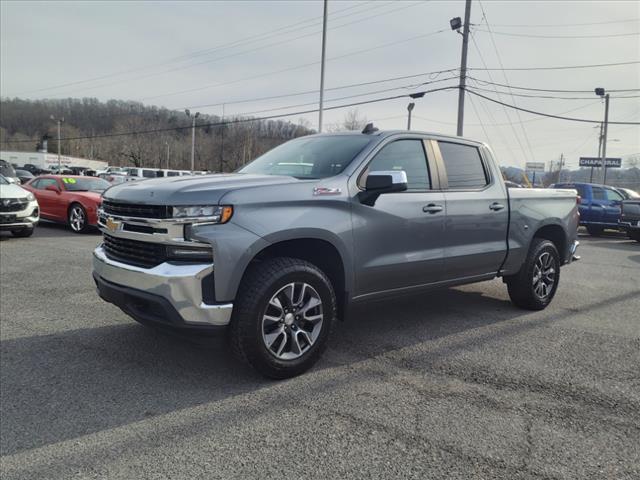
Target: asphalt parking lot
[{"x": 454, "y": 384}]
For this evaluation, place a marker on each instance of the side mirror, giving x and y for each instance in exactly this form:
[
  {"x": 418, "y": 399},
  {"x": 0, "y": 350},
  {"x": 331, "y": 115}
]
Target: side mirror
[
  {"x": 387, "y": 181},
  {"x": 52, "y": 188},
  {"x": 380, "y": 182}
]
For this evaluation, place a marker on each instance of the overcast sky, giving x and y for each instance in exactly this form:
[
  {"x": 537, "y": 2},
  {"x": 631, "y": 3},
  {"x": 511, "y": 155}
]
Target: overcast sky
[{"x": 215, "y": 52}]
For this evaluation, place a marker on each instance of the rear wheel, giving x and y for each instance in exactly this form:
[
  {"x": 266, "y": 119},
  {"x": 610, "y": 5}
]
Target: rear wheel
[
  {"x": 282, "y": 317},
  {"x": 535, "y": 285},
  {"x": 25, "y": 232},
  {"x": 595, "y": 231},
  {"x": 77, "y": 218}
]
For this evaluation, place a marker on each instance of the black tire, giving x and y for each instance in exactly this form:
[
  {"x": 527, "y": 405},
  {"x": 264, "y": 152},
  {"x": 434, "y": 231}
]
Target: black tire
[
  {"x": 77, "y": 227},
  {"x": 634, "y": 235},
  {"x": 258, "y": 288},
  {"x": 595, "y": 231},
  {"x": 522, "y": 287},
  {"x": 23, "y": 233}
]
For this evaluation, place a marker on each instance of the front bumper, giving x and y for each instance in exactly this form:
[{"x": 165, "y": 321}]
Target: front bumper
[
  {"x": 26, "y": 218},
  {"x": 168, "y": 294},
  {"x": 630, "y": 225}
]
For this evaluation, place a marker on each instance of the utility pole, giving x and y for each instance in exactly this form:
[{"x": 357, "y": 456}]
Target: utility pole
[
  {"x": 167, "y": 144},
  {"x": 324, "y": 49},
  {"x": 599, "y": 150},
  {"x": 409, "y": 110},
  {"x": 221, "y": 166},
  {"x": 463, "y": 62},
  {"x": 604, "y": 138},
  {"x": 193, "y": 137},
  {"x": 560, "y": 167}
]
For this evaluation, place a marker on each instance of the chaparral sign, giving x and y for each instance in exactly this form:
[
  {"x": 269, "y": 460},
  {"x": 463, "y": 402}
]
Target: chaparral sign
[{"x": 597, "y": 162}]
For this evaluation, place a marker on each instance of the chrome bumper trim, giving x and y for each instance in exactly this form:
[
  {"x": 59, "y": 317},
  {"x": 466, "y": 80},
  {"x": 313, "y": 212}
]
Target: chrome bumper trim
[{"x": 180, "y": 285}]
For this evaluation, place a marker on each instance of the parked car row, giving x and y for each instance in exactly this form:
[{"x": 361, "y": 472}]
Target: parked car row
[{"x": 605, "y": 207}]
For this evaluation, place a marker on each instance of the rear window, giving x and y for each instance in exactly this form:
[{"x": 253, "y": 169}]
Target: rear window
[{"x": 464, "y": 166}]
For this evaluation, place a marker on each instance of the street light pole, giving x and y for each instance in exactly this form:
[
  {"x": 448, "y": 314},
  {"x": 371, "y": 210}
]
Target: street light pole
[
  {"x": 410, "y": 109},
  {"x": 324, "y": 49}
]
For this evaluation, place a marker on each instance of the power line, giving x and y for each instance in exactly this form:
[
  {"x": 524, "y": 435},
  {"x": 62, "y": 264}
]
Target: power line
[
  {"x": 546, "y": 96},
  {"x": 181, "y": 68},
  {"x": 526, "y": 35},
  {"x": 241, "y": 120},
  {"x": 550, "y": 90},
  {"x": 506, "y": 113},
  {"x": 253, "y": 38},
  {"x": 526, "y": 25},
  {"x": 297, "y": 67},
  {"x": 342, "y": 87},
  {"x": 562, "y": 67},
  {"x": 504, "y": 75},
  {"x": 548, "y": 114}
]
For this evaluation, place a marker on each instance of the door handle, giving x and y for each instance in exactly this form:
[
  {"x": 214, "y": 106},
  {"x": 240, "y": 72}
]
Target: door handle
[
  {"x": 495, "y": 206},
  {"x": 432, "y": 208}
]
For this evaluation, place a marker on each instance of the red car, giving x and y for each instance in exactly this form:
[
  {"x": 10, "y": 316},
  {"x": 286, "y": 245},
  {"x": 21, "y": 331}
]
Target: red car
[{"x": 69, "y": 199}]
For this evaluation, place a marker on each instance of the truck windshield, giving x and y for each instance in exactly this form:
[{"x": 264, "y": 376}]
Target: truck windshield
[{"x": 310, "y": 157}]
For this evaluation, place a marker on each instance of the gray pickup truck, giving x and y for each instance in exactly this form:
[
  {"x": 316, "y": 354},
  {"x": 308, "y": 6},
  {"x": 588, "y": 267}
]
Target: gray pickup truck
[{"x": 277, "y": 252}]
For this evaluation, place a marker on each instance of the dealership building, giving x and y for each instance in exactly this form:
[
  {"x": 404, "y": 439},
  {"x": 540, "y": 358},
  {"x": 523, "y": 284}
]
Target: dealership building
[{"x": 48, "y": 160}]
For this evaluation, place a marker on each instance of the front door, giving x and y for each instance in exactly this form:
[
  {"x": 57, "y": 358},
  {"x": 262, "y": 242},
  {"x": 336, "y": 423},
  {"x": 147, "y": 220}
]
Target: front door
[{"x": 398, "y": 242}]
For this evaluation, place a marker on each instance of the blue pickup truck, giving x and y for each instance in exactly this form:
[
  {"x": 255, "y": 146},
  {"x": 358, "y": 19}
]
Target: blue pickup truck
[{"x": 599, "y": 206}]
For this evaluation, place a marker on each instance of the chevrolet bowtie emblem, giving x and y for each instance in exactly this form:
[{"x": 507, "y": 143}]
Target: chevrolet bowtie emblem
[{"x": 112, "y": 224}]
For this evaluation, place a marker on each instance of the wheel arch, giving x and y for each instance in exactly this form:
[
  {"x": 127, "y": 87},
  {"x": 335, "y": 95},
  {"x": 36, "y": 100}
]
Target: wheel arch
[
  {"x": 321, "y": 252},
  {"x": 557, "y": 235}
]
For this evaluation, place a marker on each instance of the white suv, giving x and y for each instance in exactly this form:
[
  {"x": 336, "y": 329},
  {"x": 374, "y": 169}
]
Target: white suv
[{"x": 19, "y": 211}]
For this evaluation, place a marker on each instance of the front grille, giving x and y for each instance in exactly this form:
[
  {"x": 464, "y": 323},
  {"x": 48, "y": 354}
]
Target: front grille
[
  {"x": 134, "y": 252},
  {"x": 13, "y": 204},
  {"x": 136, "y": 210}
]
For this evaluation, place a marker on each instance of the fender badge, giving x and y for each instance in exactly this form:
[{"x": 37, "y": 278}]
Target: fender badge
[
  {"x": 326, "y": 191},
  {"x": 112, "y": 224}
]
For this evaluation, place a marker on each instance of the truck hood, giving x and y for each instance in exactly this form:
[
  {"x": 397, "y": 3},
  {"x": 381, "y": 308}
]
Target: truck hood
[{"x": 192, "y": 190}]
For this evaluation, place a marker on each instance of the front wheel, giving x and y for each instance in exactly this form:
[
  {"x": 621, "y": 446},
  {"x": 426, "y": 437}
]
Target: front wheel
[
  {"x": 282, "y": 317},
  {"x": 535, "y": 285},
  {"x": 78, "y": 218}
]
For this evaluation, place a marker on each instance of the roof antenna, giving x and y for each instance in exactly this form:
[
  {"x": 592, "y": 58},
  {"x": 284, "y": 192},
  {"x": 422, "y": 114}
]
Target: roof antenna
[{"x": 369, "y": 129}]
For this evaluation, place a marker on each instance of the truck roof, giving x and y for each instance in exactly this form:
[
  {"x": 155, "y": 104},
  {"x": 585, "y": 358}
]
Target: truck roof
[{"x": 388, "y": 133}]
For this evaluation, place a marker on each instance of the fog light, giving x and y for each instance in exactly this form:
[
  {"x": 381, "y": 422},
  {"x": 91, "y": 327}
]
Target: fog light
[{"x": 190, "y": 254}]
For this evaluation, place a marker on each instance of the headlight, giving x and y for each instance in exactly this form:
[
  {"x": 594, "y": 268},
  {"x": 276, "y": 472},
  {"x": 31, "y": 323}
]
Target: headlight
[
  {"x": 215, "y": 214},
  {"x": 30, "y": 197}
]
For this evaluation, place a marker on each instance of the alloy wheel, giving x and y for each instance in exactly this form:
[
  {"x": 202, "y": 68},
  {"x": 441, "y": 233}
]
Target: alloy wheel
[
  {"x": 544, "y": 275},
  {"x": 292, "y": 321},
  {"x": 77, "y": 218}
]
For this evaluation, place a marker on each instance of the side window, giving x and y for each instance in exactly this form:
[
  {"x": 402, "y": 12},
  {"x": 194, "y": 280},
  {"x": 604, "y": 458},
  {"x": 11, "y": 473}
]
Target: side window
[
  {"x": 464, "y": 165},
  {"x": 35, "y": 183},
  {"x": 173, "y": 174},
  {"x": 612, "y": 195},
  {"x": 407, "y": 155},
  {"x": 45, "y": 182},
  {"x": 598, "y": 193},
  {"x": 148, "y": 174},
  {"x": 581, "y": 190}
]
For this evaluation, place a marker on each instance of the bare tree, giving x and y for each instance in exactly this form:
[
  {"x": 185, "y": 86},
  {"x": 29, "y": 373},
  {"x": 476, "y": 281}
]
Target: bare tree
[{"x": 353, "y": 120}]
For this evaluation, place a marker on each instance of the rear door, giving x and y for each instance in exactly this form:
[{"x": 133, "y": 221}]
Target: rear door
[
  {"x": 399, "y": 240},
  {"x": 612, "y": 206},
  {"x": 477, "y": 211}
]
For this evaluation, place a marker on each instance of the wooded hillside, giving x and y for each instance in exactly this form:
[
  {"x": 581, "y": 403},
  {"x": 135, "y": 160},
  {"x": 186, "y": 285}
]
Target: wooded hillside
[{"x": 23, "y": 124}]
